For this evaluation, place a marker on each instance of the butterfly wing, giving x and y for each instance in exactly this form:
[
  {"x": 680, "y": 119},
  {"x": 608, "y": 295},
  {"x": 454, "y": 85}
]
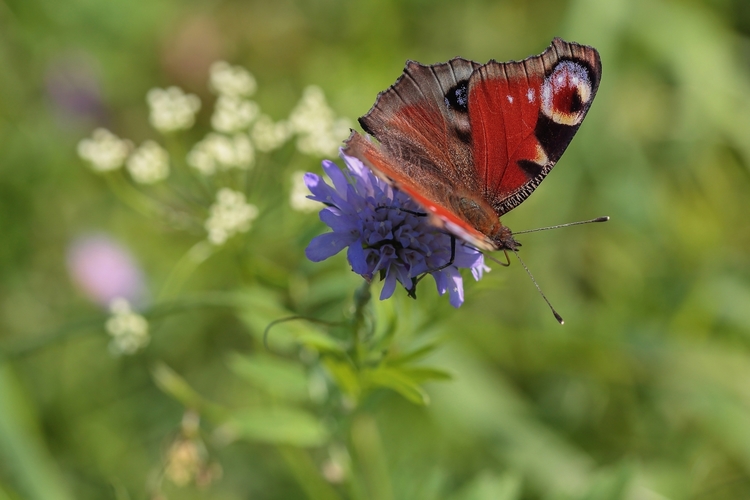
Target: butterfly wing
[
  {"x": 469, "y": 142},
  {"x": 425, "y": 148},
  {"x": 524, "y": 114}
]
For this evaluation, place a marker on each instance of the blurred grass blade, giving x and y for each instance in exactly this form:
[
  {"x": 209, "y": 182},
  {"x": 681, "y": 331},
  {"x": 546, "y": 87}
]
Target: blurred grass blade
[
  {"x": 173, "y": 384},
  {"x": 307, "y": 475},
  {"x": 23, "y": 454},
  {"x": 280, "y": 425},
  {"x": 372, "y": 465},
  {"x": 489, "y": 486}
]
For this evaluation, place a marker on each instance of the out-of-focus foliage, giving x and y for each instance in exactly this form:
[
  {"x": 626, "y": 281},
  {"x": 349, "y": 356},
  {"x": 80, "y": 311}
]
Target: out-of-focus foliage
[{"x": 642, "y": 394}]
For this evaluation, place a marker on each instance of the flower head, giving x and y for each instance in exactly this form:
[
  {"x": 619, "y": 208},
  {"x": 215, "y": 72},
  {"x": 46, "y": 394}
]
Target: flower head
[
  {"x": 149, "y": 163},
  {"x": 172, "y": 109},
  {"x": 385, "y": 231},
  {"x": 268, "y": 135},
  {"x": 232, "y": 114},
  {"x": 231, "y": 81},
  {"x": 230, "y": 215},
  {"x": 129, "y": 330},
  {"x": 220, "y": 152},
  {"x": 104, "y": 150},
  {"x": 318, "y": 130}
]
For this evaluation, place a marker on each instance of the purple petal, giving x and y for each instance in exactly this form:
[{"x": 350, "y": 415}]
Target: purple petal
[
  {"x": 336, "y": 175},
  {"x": 340, "y": 223},
  {"x": 358, "y": 259},
  {"x": 327, "y": 245},
  {"x": 455, "y": 286},
  {"x": 389, "y": 285}
]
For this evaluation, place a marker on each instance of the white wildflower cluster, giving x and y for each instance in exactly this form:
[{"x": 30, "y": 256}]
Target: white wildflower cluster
[
  {"x": 220, "y": 152},
  {"x": 172, "y": 109},
  {"x": 229, "y": 147},
  {"x": 231, "y": 81},
  {"x": 230, "y": 215},
  {"x": 269, "y": 135},
  {"x": 149, "y": 163},
  {"x": 232, "y": 114},
  {"x": 298, "y": 194},
  {"x": 104, "y": 150},
  {"x": 318, "y": 130},
  {"x": 129, "y": 330}
]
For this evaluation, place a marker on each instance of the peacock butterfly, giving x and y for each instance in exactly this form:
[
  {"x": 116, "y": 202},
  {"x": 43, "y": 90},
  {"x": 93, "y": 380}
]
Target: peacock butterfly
[{"x": 469, "y": 141}]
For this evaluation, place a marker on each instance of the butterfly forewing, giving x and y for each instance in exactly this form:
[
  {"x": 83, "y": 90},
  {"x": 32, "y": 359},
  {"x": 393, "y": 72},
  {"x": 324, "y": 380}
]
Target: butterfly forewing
[{"x": 524, "y": 114}]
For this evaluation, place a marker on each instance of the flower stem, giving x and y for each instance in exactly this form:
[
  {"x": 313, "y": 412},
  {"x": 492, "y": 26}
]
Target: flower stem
[
  {"x": 132, "y": 197},
  {"x": 362, "y": 297},
  {"x": 181, "y": 271}
]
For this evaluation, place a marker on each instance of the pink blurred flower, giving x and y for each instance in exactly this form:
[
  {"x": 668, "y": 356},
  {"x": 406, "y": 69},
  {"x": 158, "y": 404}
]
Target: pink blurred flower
[{"x": 105, "y": 270}]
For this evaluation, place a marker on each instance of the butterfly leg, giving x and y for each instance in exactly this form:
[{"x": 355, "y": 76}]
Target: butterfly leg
[
  {"x": 418, "y": 214},
  {"x": 412, "y": 292}
]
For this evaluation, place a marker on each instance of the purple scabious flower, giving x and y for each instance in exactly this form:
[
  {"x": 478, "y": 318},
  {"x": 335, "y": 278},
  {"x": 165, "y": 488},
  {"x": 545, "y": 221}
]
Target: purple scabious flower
[{"x": 385, "y": 232}]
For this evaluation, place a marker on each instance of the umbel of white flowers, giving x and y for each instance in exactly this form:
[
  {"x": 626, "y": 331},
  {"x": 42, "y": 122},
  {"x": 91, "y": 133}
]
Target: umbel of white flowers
[
  {"x": 230, "y": 215},
  {"x": 104, "y": 150},
  {"x": 129, "y": 330},
  {"x": 239, "y": 130},
  {"x": 149, "y": 163},
  {"x": 172, "y": 109}
]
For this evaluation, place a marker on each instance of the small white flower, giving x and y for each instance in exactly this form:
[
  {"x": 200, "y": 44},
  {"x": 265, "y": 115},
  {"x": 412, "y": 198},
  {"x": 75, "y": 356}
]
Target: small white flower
[
  {"x": 298, "y": 195},
  {"x": 319, "y": 132},
  {"x": 268, "y": 135},
  {"x": 231, "y": 81},
  {"x": 232, "y": 114},
  {"x": 149, "y": 163},
  {"x": 105, "y": 151},
  {"x": 129, "y": 330},
  {"x": 220, "y": 152},
  {"x": 172, "y": 109},
  {"x": 312, "y": 112},
  {"x": 230, "y": 215}
]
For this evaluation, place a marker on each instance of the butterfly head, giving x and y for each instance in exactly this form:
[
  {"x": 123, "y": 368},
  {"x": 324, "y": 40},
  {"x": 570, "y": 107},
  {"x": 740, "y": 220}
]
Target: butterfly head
[{"x": 502, "y": 238}]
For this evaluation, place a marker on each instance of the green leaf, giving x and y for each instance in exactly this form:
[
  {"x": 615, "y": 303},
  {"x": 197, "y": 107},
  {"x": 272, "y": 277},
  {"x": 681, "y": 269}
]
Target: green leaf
[
  {"x": 422, "y": 374},
  {"x": 414, "y": 355},
  {"x": 280, "y": 425},
  {"x": 275, "y": 376},
  {"x": 399, "y": 381},
  {"x": 344, "y": 375}
]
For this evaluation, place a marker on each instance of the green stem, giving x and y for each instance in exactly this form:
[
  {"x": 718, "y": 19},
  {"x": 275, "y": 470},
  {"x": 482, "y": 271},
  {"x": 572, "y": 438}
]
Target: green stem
[
  {"x": 132, "y": 197},
  {"x": 41, "y": 340},
  {"x": 189, "y": 262},
  {"x": 362, "y": 298}
]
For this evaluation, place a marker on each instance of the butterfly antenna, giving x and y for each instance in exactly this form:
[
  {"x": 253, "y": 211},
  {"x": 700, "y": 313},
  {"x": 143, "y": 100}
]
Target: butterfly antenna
[
  {"x": 557, "y": 316},
  {"x": 598, "y": 219}
]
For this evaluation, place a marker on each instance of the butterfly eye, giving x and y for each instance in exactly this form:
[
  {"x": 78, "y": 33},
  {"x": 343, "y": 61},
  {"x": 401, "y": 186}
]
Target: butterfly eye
[{"x": 566, "y": 93}]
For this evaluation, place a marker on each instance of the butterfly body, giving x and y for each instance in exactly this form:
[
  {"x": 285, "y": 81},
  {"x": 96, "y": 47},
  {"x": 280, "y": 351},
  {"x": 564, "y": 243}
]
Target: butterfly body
[{"x": 471, "y": 141}]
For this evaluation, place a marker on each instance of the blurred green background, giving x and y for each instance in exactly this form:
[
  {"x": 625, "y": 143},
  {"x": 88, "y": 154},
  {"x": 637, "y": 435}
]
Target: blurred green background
[{"x": 644, "y": 393}]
